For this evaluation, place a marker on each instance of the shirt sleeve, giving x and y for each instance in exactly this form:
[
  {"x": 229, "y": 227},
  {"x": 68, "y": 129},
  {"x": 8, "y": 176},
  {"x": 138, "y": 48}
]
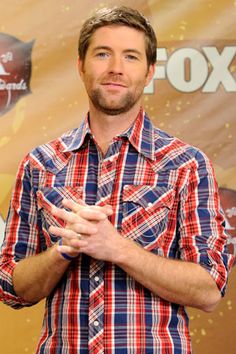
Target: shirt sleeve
[
  {"x": 203, "y": 236},
  {"x": 21, "y": 234}
]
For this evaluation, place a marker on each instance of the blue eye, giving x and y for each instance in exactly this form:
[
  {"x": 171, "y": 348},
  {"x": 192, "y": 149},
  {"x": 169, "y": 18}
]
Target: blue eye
[
  {"x": 131, "y": 57},
  {"x": 102, "y": 55}
]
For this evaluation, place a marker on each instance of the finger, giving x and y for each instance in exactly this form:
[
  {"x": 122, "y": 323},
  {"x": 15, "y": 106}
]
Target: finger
[
  {"x": 107, "y": 209},
  {"x": 67, "y": 216},
  {"x": 72, "y": 231},
  {"x": 81, "y": 202},
  {"x": 74, "y": 219},
  {"x": 83, "y": 227},
  {"x": 65, "y": 233},
  {"x": 92, "y": 213},
  {"x": 76, "y": 243},
  {"x": 72, "y": 250},
  {"x": 74, "y": 206}
]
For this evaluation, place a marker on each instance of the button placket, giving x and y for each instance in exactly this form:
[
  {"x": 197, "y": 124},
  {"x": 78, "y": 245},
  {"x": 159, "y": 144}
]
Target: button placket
[
  {"x": 96, "y": 307},
  {"x": 106, "y": 179}
]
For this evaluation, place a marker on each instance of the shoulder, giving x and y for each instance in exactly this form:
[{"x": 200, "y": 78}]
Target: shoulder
[
  {"x": 174, "y": 152},
  {"x": 52, "y": 155}
]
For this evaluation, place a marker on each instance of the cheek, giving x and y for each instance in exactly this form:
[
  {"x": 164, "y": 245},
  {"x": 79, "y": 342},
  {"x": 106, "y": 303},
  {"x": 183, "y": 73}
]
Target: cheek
[
  {"x": 91, "y": 77},
  {"x": 88, "y": 80},
  {"x": 138, "y": 75},
  {"x": 140, "y": 81}
]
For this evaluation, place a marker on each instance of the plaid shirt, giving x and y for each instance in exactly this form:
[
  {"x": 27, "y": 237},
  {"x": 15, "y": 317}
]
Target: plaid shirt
[{"x": 164, "y": 197}]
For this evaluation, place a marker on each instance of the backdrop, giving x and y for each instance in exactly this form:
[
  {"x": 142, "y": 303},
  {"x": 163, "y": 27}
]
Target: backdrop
[{"x": 192, "y": 96}]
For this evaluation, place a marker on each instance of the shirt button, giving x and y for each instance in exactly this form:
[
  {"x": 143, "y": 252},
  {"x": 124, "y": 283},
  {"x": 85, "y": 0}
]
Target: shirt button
[
  {"x": 149, "y": 205},
  {"x": 96, "y": 323},
  {"x": 96, "y": 279}
]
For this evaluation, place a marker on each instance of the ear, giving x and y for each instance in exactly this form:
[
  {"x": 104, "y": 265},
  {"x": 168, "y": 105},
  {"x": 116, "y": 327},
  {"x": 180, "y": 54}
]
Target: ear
[
  {"x": 150, "y": 74},
  {"x": 81, "y": 68}
]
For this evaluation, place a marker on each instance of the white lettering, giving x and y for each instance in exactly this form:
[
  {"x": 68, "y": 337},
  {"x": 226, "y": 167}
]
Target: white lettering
[
  {"x": 13, "y": 85},
  {"x": 5, "y": 58},
  {"x": 220, "y": 73},
  {"x": 188, "y": 69},
  {"x": 231, "y": 212},
  {"x": 176, "y": 69},
  {"x": 2, "y": 71}
]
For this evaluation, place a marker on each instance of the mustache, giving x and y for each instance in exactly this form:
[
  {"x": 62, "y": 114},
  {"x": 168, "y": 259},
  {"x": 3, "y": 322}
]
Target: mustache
[{"x": 114, "y": 79}]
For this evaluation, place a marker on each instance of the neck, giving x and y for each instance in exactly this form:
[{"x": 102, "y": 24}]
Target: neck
[{"x": 106, "y": 127}]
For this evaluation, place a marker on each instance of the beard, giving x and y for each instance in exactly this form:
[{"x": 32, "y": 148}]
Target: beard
[{"x": 114, "y": 107}]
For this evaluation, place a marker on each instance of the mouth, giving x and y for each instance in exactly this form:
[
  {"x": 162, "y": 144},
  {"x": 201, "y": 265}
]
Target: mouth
[{"x": 113, "y": 84}]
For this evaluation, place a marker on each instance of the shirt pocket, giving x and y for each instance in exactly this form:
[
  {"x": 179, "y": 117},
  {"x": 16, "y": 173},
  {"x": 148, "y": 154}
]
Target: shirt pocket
[
  {"x": 47, "y": 197},
  {"x": 145, "y": 214}
]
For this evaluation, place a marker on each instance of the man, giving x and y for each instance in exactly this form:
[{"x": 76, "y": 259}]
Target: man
[{"x": 116, "y": 223}]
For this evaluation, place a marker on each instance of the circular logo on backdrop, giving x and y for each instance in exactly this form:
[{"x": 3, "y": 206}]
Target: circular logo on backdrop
[
  {"x": 15, "y": 70},
  {"x": 228, "y": 202}
]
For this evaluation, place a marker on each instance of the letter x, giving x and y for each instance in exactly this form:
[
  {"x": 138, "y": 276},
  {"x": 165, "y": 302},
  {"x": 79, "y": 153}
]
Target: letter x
[{"x": 220, "y": 73}]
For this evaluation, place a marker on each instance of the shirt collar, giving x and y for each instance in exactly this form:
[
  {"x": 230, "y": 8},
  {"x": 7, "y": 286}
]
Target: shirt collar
[
  {"x": 140, "y": 135},
  {"x": 80, "y": 136}
]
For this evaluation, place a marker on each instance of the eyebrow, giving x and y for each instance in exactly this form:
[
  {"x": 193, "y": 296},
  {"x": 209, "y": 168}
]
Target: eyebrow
[{"x": 128, "y": 50}]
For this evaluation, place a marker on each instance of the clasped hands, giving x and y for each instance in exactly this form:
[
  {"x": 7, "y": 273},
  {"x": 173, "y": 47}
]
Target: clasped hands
[{"x": 87, "y": 230}]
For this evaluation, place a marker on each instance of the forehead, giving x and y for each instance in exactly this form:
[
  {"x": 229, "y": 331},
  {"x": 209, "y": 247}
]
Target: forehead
[{"x": 118, "y": 36}]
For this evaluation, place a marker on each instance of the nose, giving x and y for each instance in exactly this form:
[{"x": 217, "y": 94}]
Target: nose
[{"x": 116, "y": 65}]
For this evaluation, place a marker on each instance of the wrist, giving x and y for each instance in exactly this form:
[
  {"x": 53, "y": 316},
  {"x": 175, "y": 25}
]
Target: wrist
[
  {"x": 123, "y": 251},
  {"x": 130, "y": 252}
]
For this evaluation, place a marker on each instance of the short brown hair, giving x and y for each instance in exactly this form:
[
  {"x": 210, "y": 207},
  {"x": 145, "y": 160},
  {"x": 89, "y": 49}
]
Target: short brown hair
[{"x": 118, "y": 16}]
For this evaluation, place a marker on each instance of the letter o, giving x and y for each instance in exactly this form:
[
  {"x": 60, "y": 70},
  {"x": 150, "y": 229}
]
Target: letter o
[{"x": 176, "y": 69}]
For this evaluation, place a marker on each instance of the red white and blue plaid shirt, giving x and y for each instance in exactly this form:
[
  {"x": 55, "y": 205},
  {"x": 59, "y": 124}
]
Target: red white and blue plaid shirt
[{"x": 164, "y": 197}]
